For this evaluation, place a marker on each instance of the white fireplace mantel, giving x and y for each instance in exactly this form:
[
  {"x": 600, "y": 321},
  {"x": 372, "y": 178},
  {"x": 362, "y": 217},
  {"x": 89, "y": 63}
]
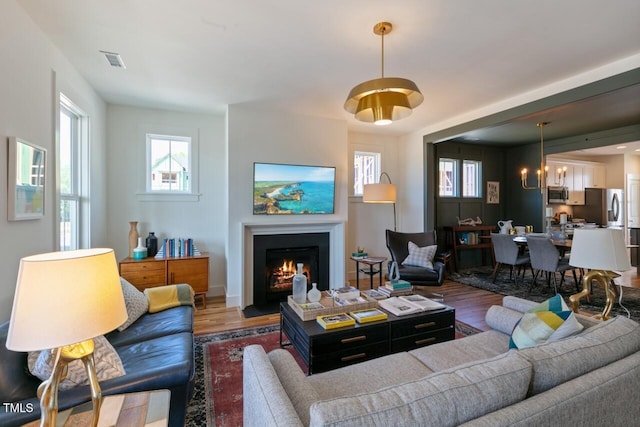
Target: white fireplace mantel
[{"x": 337, "y": 274}]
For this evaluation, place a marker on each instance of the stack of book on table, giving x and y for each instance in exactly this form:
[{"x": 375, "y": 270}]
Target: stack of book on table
[
  {"x": 395, "y": 288},
  {"x": 409, "y": 304}
]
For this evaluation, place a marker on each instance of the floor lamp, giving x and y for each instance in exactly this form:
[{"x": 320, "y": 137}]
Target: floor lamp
[
  {"x": 381, "y": 193},
  {"x": 62, "y": 301},
  {"x": 601, "y": 250}
]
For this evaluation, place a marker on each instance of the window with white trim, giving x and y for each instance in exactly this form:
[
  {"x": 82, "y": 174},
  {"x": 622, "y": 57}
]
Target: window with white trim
[
  {"x": 448, "y": 178},
  {"x": 169, "y": 164},
  {"x": 73, "y": 174},
  {"x": 471, "y": 177},
  {"x": 454, "y": 181},
  {"x": 366, "y": 170}
]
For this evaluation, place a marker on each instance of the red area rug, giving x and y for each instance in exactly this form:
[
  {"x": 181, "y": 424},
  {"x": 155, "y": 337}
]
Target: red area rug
[{"x": 217, "y": 399}]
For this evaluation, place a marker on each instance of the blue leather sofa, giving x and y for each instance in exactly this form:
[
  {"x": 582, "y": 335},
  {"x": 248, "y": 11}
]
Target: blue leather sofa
[{"x": 156, "y": 351}]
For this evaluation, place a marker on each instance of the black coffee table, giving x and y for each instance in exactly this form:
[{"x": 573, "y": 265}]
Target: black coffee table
[{"x": 324, "y": 350}]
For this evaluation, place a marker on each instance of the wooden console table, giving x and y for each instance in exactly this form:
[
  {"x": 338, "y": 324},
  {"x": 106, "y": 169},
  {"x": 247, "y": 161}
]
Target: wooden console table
[
  {"x": 152, "y": 272},
  {"x": 478, "y": 237}
]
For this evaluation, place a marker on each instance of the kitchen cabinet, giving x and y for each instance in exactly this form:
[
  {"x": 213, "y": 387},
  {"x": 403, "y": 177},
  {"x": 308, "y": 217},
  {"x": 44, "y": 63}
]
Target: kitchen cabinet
[
  {"x": 594, "y": 176},
  {"x": 576, "y": 176},
  {"x": 575, "y": 184},
  {"x": 152, "y": 272}
]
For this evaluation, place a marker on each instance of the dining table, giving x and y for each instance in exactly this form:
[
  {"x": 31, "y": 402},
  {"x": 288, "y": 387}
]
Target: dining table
[{"x": 563, "y": 245}]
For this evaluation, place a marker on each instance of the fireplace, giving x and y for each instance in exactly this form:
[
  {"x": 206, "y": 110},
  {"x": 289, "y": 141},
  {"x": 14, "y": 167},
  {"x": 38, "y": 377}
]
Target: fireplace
[{"x": 275, "y": 259}]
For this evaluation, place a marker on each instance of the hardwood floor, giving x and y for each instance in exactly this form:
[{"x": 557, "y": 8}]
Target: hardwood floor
[{"x": 470, "y": 303}]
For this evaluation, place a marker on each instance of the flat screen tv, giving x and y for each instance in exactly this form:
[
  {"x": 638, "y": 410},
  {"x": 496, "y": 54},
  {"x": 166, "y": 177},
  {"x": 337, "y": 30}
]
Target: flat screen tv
[{"x": 280, "y": 189}]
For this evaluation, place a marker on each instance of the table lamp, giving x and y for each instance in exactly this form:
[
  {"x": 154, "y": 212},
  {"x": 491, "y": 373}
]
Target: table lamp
[
  {"x": 601, "y": 250},
  {"x": 62, "y": 301}
]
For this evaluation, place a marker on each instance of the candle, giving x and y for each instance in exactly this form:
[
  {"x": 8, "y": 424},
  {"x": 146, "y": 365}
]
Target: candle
[
  {"x": 549, "y": 212},
  {"x": 563, "y": 218}
]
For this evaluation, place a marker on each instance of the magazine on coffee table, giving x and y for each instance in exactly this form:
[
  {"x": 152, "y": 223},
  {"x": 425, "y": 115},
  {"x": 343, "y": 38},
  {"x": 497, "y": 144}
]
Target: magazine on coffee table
[{"x": 409, "y": 304}]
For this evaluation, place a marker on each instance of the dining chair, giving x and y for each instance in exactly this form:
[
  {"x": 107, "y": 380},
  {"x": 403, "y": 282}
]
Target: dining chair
[
  {"x": 506, "y": 251},
  {"x": 546, "y": 257}
]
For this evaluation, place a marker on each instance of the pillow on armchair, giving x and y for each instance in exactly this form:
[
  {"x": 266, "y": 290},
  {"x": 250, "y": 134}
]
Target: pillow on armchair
[{"x": 420, "y": 256}]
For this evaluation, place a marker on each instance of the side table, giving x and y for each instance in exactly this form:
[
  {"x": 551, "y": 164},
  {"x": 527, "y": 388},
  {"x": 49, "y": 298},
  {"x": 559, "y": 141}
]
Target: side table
[
  {"x": 144, "y": 408},
  {"x": 371, "y": 271}
]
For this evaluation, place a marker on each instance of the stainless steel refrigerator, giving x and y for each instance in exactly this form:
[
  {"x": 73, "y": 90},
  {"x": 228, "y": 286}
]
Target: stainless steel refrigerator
[{"x": 603, "y": 206}]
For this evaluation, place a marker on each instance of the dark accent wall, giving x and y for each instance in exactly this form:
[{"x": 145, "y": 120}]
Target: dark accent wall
[
  {"x": 449, "y": 209},
  {"x": 522, "y": 206}
]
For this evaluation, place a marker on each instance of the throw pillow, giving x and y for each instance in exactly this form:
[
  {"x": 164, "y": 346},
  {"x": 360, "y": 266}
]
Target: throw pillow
[
  {"x": 107, "y": 362},
  {"x": 421, "y": 257},
  {"x": 135, "y": 301},
  {"x": 548, "y": 321}
]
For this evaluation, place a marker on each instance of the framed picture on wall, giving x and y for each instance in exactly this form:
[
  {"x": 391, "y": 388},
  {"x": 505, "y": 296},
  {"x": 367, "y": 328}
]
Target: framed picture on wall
[
  {"x": 26, "y": 189},
  {"x": 493, "y": 192}
]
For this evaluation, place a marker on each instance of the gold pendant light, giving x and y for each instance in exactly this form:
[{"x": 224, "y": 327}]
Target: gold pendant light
[{"x": 384, "y": 100}]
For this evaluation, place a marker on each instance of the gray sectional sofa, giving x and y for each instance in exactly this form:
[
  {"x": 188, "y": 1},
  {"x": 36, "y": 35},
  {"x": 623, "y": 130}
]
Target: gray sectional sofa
[{"x": 591, "y": 378}]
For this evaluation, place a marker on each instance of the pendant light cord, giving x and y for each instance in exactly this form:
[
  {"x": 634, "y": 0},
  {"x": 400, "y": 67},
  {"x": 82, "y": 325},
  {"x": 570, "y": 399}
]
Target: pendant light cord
[{"x": 382, "y": 31}]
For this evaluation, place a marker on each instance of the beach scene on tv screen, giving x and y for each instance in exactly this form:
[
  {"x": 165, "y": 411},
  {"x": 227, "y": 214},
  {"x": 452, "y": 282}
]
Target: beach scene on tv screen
[{"x": 292, "y": 189}]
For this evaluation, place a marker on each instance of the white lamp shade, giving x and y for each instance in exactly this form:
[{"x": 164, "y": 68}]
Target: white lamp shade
[
  {"x": 63, "y": 298},
  {"x": 599, "y": 249},
  {"x": 379, "y": 193}
]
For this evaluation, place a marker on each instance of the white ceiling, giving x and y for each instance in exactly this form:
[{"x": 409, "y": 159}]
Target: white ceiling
[{"x": 303, "y": 56}]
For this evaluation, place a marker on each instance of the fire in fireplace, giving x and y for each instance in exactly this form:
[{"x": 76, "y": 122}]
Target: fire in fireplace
[
  {"x": 282, "y": 264},
  {"x": 281, "y": 277},
  {"x": 275, "y": 263}
]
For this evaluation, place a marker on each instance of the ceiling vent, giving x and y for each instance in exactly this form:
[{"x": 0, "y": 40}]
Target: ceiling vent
[{"x": 114, "y": 59}]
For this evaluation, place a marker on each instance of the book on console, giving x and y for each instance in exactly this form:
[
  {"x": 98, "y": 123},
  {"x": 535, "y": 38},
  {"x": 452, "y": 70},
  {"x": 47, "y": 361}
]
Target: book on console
[
  {"x": 397, "y": 284},
  {"x": 409, "y": 304},
  {"x": 368, "y": 315},
  {"x": 374, "y": 293},
  {"x": 348, "y": 292},
  {"x": 332, "y": 321},
  {"x": 389, "y": 293}
]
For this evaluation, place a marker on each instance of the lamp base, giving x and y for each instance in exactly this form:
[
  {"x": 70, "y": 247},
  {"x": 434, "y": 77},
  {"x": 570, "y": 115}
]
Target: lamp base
[
  {"x": 48, "y": 390},
  {"x": 604, "y": 279}
]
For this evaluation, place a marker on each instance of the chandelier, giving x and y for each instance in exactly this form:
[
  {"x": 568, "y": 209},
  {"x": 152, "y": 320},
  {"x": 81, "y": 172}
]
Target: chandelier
[
  {"x": 542, "y": 181},
  {"x": 384, "y": 100}
]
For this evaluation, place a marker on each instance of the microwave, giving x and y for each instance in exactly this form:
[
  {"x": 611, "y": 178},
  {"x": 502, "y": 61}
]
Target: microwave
[{"x": 557, "y": 195}]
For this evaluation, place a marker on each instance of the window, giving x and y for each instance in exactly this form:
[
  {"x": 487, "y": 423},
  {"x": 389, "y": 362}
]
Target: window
[
  {"x": 72, "y": 171},
  {"x": 448, "y": 182},
  {"x": 448, "y": 178},
  {"x": 168, "y": 164},
  {"x": 471, "y": 177},
  {"x": 366, "y": 170}
]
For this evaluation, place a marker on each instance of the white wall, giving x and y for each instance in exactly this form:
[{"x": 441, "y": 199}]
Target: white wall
[
  {"x": 203, "y": 219},
  {"x": 256, "y": 135},
  {"x": 32, "y": 69},
  {"x": 367, "y": 221}
]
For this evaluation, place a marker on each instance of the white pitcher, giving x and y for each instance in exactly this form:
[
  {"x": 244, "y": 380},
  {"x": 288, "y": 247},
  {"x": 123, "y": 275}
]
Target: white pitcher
[{"x": 505, "y": 226}]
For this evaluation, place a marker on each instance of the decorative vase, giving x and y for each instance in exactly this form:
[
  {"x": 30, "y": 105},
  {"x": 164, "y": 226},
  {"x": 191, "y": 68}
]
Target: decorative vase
[
  {"x": 152, "y": 244},
  {"x": 314, "y": 294},
  {"x": 300, "y": 286},
  {"x": 140, "y": 251},
  {"x": 133, "y": 237}
]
